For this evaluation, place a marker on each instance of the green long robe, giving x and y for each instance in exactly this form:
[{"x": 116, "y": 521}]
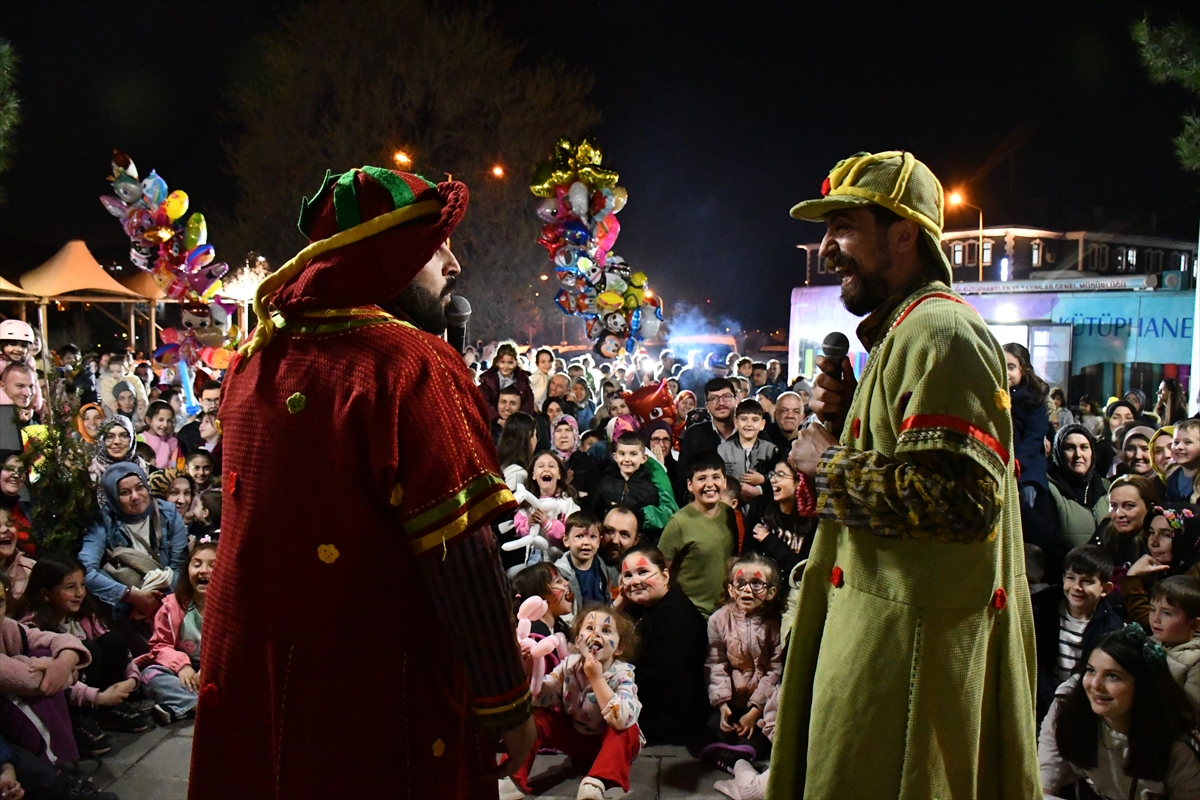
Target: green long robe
[{"x": 909, "y": 671}]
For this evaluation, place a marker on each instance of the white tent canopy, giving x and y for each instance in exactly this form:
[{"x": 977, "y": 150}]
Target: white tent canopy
[{"x": 73, "y": 269}]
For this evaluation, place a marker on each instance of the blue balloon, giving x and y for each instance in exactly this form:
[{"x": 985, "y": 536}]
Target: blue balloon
[{"x": 576, "y": 233}]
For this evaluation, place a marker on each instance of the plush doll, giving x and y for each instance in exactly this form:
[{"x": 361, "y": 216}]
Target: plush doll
[{"x": 534, "y": 608}]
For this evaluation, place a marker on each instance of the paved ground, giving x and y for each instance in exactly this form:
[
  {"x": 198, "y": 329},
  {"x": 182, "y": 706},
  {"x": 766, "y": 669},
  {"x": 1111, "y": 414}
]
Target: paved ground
[{"x": 154, "y": 766}]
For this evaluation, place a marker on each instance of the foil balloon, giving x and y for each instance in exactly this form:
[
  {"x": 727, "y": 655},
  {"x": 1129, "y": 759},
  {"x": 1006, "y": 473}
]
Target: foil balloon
[
  {"x": 196, "y": 231},
  {"x": 201, "y": 256},
  {"x": 118, "y": 208},
  {"x": 123, "y": 165},
  {"x": 127, "y": 188},
  {"x": 176, "y": 204},
  {"x": 154, "y": 190},
  {"x": 580, "y": 198},
  {"x": 649, "y": 326}
]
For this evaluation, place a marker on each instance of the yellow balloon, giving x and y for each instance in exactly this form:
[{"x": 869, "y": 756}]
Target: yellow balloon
[
  {"x": 637, "y": 279},
  {"x": 620, "y": 198},
  {"x": 176, "y": 204},
  {"x": 609, "y": 301},
  {"x": 634, "y": 297}
]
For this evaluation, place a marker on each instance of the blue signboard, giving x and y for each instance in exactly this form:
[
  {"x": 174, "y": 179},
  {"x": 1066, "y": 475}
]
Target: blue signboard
[{"x": 1153, "y": 327}]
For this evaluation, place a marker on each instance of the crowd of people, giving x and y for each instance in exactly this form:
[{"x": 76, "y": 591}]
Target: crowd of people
[
  {"x": 696, "y": 531},
  {"x": 105, "y": 634},
  {"x": 663, "y": 552}
]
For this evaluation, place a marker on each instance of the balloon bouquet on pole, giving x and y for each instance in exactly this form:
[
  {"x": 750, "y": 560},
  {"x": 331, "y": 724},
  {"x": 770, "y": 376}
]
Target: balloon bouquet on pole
[
  {"x": 176, "y": 253},
  {"x": 580, "y": 207}
]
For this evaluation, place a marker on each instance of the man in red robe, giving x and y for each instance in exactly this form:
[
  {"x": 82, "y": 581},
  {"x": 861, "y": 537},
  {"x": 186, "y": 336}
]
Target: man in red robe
[{"x": 359, "y": 640}]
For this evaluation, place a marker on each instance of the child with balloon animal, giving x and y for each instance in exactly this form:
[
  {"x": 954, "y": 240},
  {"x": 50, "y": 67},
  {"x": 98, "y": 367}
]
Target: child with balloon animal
[
  {"x": 549, "y": 480},
  {"x": 545, "y": 581},
  {"x": 588, "y": 707}
]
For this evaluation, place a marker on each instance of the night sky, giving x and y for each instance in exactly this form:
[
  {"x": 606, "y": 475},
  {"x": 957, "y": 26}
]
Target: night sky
[{"x": 718, "y": 122}]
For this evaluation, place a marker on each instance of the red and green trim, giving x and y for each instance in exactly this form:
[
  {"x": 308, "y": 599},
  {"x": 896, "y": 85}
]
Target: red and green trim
[
  {"x": 959, "y": 425},
  {"x": 475, "y": 502},
  {"x": 912, "y": 306}
]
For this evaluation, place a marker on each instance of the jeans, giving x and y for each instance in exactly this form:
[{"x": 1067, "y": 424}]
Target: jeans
[{"x": 164, "y": 688}]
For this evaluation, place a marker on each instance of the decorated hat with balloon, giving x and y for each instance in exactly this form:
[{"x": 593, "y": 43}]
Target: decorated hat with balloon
[
  {"x": 173, "y": 247},
  {"x": 580, "y": 206}
]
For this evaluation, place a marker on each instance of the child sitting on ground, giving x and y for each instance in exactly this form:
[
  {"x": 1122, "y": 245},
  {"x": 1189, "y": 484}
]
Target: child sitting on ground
[
  {"x": 1181, "y": 485},
  {"x": 57, "y": 601},
  {"x": 588, "y": 706},
  {"x": 1175, "y": 624},
  {"x": 744, "y": 454},
  {"x": 745, "y": 662},
  {"x": 206, "y": 519},
  {"x": 1067, "y": 623},
  {"x": 698, "y": 541},
  {"x": 579, "y": 565},
  {"x": 545, "y": 581},
  {"x": 549, "y": 482},
  {"x": 171, "y": 670},
  {"x": 35, "y": 671}
]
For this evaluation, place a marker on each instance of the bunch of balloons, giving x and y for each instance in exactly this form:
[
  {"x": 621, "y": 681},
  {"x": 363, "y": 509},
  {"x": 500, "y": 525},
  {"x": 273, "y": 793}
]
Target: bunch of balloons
[
  {"x": 581, "y": 202},
  {"x": 175, "y": 251}
]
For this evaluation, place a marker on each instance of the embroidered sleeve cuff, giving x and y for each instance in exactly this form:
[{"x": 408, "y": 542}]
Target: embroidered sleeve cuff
[{"x": 832, "y": 463}]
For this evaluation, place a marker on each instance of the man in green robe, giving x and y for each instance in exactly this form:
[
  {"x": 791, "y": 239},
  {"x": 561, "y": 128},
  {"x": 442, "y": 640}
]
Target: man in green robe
[{"x": 911, "y": 658}]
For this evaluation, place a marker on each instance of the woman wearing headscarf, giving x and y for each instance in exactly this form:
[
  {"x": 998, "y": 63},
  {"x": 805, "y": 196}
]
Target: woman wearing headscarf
[
  {"x": 133, "y": 553},
  {"x": 87, "y": 424},
  {"x": 117, "y": 443},
  {"x": 1078, "y": 492},
  {"x": 580, "y": 466},
  {"x": 1172, "y": 544},
  {"x": 660, "y": 439}
]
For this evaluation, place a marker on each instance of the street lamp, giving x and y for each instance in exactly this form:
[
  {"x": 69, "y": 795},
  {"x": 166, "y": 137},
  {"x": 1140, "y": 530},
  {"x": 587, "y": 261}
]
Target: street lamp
[
  {"x": 956, "y": 199},
  {"x": 402, "y": 158}
]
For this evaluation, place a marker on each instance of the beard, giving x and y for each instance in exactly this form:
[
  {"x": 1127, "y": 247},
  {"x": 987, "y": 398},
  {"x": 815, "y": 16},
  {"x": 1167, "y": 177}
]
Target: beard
[
  {"x": 864, "y": 292},
  {"x": 426, "y": 309}
]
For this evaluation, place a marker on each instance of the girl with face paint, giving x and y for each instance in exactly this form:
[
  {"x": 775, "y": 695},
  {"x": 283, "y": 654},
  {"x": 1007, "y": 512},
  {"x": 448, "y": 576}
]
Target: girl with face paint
[
  {"x": 745, "y": 662},
  {"x": 588, "y": 706},
  {"x": 670, "y": 661},
  {"x": 545, "y": 581}
]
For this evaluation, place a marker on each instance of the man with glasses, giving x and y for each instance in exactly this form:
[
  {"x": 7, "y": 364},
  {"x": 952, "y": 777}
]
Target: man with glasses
[{"x": 720, "y": 399}]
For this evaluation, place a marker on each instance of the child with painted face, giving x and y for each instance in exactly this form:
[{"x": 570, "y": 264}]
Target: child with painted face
[
  {"x": 171, "y": 670},
  {"x": 580, "y": 565},
  {"x": 745, "y": 662},
  {"x": 588, "y": 706},
  {"x": 545, "y": 581}
]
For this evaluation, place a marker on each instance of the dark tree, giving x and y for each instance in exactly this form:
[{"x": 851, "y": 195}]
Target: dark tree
[
  {"x": 1171, "y": 54},
  {"x": 341, "y": 86},
  {"x": 10, "y": 105}
]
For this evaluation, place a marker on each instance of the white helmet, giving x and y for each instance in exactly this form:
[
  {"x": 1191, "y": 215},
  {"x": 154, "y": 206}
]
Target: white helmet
[{"x": 15, "y": 330}]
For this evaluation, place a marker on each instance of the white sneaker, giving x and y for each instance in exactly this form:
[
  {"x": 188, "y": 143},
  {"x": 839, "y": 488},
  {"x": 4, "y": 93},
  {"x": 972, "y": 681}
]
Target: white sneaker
[
  {"x": 509, "y": 790},
  {"x": 729, "y": 788},
  {"x": 590, "y": 789}
]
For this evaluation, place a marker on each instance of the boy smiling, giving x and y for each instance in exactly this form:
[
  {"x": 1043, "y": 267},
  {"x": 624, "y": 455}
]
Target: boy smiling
[{"x": 697, "y": 541}]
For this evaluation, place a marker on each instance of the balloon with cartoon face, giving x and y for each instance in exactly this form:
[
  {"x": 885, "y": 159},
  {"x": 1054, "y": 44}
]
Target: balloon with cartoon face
[
  {"x": 616, "y": 323},
  {"x": 608, "y": 345}
]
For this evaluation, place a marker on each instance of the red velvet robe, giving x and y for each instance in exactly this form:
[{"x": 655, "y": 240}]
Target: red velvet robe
[{"x": 353, "y": 444}]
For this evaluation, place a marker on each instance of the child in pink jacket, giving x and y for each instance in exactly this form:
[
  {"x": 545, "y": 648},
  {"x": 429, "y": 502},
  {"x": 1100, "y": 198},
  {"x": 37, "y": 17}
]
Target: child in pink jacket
[
  {"x": 745, "y": 662},
  {"x": 35, "y": 671},
  {"x": 56, "y": 600},
  {"x": 171, "y": 670}
]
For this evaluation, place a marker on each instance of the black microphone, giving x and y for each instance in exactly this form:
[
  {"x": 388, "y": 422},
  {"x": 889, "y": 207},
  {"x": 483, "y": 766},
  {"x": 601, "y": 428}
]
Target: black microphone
[
  {"x": 458, "y": 313},
  {"x": 835, "y": 347}
]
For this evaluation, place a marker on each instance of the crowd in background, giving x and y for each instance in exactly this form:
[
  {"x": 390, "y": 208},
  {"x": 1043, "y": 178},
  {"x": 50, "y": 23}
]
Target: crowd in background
[{"x": 652, "y": 558}]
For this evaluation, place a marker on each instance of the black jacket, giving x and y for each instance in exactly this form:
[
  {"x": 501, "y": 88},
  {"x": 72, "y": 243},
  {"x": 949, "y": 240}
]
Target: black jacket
[
  {"x": 670, "y": 669},
  {"x": 610, "y": 488}
]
